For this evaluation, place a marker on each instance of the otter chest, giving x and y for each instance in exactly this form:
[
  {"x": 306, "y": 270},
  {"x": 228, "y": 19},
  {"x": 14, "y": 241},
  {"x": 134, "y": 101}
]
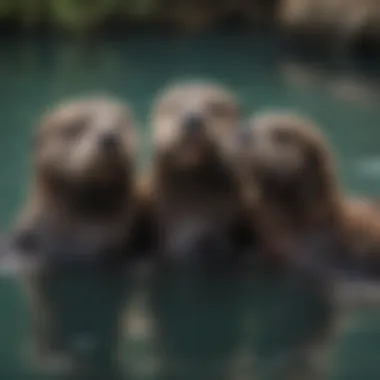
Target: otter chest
[{"x": 194, "y": 229}]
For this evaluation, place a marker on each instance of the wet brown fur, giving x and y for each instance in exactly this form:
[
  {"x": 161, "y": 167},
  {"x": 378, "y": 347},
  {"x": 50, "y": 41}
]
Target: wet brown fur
[
  {"x": 58, "y": 191},
  {"x": 208, "y": 190},
  {"x": 299, "y": 192}
]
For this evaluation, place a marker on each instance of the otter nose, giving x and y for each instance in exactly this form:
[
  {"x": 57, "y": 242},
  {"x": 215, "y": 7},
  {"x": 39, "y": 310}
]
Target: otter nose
[
  {"x": 194, "y": 124},
  {"x": 109, "y": 141}
]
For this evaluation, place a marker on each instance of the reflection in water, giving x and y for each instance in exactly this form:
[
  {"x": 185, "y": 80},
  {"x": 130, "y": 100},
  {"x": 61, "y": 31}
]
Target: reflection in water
[
  {"x": 247, "y": 326},
  {"x": 79, "y": 336},
  {"x": 198, "y": 320}
]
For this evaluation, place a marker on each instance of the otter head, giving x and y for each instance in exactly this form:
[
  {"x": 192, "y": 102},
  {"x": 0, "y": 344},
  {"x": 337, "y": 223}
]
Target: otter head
[
  {"x": 85, "y": 150},
  {"x": 191, "y": 124},
  {"x": 289, "y": 157}
]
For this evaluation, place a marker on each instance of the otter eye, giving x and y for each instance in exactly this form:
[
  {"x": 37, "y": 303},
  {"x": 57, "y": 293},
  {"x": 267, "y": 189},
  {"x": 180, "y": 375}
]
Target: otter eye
[{"x": 73, "y": 130}]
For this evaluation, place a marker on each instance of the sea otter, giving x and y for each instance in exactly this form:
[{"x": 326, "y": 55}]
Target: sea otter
[{"x": 73, "y": 240}]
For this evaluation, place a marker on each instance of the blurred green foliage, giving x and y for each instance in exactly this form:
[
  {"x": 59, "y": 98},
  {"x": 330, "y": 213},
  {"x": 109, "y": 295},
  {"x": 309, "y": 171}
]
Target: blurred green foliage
[{"x": 89, "y": 15}]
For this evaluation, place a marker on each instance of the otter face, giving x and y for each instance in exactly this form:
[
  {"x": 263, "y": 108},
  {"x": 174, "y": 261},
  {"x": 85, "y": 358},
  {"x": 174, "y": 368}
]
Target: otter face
[
  {"x": 90, "y": 139},
  {"x": 287, "y": 149},
  {"x": 192, "y": 122}
]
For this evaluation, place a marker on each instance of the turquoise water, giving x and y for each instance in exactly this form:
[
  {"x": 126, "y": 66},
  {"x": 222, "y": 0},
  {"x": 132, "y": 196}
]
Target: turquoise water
[{"x": 35, "y": 74}]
